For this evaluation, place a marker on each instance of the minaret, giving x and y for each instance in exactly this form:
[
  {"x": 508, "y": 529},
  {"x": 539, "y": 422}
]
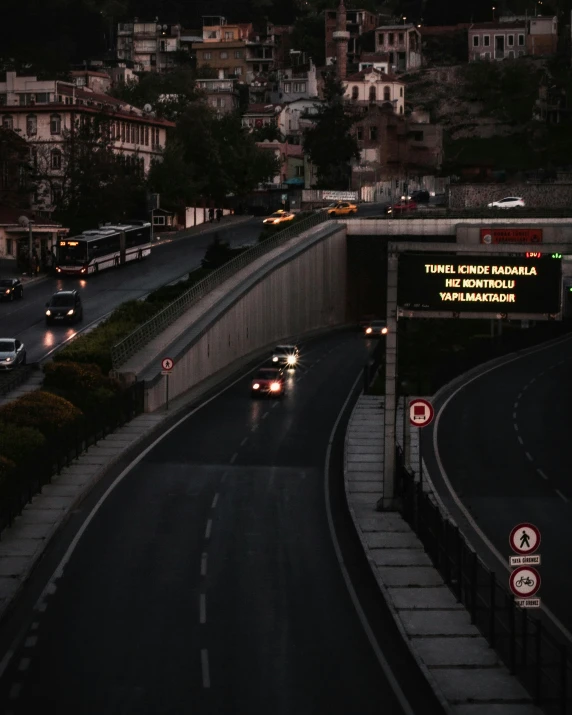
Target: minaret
[{"x": 341, "y": 37}]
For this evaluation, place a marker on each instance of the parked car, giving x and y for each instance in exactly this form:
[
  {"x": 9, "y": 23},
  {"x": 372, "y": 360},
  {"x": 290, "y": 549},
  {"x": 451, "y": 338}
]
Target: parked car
[
  {"x": 421, "y": 196},
  {"x": 285, "y": 356},
  {"x": 64, "y": 307},
  {"x": 269, "y": 382},
  {"x": 11, "y": 288},
  {"x": 279, "y": 216},
  {"x": 341, "y": 208},
  {"x": 12, "y": 353},
  {"x": 509, "y": 202},
  {"x": 375, "y": 329}
]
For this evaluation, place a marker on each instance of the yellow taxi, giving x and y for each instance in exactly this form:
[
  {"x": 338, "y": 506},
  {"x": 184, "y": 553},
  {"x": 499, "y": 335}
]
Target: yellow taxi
[
  {"x": 279, "y": 216},
  {"x": 341, "y": 208}
]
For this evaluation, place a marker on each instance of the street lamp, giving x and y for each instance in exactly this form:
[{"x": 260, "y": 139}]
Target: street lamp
[
  {"x": 26, "y": 222},
  {"x": 494, "y": 8}
]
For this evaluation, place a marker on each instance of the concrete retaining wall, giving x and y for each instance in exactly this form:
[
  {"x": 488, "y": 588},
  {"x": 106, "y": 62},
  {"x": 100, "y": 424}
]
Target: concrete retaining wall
[
  {"x": 299, "y": 292},
  {"x": 548, "y": 195}
]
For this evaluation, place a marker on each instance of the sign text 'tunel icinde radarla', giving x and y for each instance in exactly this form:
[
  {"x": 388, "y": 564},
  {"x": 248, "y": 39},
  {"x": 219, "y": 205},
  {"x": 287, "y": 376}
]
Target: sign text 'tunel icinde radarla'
[{"x": 479, "y": 283}]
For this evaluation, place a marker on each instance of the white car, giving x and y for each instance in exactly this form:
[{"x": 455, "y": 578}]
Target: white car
[
  {"x": 12, "y": 353},
  {"x": 509, "y": 202}
]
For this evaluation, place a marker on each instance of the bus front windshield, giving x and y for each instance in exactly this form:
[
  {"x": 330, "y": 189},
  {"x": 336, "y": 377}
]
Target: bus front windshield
[{"x": 72, "y": 253}]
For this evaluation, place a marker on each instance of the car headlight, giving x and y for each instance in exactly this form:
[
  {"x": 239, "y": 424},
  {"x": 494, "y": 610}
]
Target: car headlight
[
  {"x": 384, "y": 331},
  {"x": 70, "y": 311},
  {"x": 275, "y": 387},
  {"x": 48, "y": 312},
  {"x": 368, "y": 330},
  {"x": 256, "y": 386},
  {"x": 8, "y": 290},
  {"x": 58, "y": 269},
  {"x": 291, "y": 359},
  {"x": 7, "y": 359},
  {"x": 275, "y": 359},
  {"x": 82, "y": 270}
]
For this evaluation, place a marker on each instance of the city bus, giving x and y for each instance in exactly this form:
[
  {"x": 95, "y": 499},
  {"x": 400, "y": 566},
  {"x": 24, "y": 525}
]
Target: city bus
[{"x": 106, "y": 247}]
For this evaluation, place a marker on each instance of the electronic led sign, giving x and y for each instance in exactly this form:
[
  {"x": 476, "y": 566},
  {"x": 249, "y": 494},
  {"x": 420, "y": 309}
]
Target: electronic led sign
[{"x": 479, "y": 283}]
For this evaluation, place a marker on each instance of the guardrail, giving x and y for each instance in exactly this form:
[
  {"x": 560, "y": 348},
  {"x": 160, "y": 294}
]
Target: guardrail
[
  {"x": 476, "y": 213},
  {"x": 11, "y": 380},
  {"x": 136, "y": 340},
  {"x": 542, "y": 662}
]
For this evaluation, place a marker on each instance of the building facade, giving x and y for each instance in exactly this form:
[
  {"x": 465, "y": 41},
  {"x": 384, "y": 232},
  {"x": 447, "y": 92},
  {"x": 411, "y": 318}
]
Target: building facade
[
  {"x": 221, "y": 94},
  {"x": 290, "y": 158},
  {"x": 15, "y": 168},
  {"x": 151, "y": 46},
  {"x": 228, "y": 57},
  {"x": 497, "y": 40},
  {"x": 357, "y": 23},
  {"x": 374, "y": 87},
  {"x": 15, "y": 237},
  {"x": 402, "y": 43}
]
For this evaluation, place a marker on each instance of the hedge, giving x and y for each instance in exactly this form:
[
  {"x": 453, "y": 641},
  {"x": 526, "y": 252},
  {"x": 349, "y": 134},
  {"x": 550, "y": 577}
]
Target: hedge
[
  {"x": 83, "y": 384},
  {"x": 17, "y": 443},
  {"x": 41, "y": 410}
]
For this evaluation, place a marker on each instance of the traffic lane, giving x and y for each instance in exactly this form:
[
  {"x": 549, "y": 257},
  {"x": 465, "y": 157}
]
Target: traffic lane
[
  {"x": 125, "y": 630},
  {"x": 489, "y": 469},
  {"x": 102, "y": 293}
]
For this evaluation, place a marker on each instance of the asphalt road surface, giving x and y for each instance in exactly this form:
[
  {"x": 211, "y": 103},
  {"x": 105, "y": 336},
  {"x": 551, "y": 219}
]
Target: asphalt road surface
[
  {"x": 25, "y": 319},
  {"x": 208, "y": 582},
  {"x": 504, "y": 442}
]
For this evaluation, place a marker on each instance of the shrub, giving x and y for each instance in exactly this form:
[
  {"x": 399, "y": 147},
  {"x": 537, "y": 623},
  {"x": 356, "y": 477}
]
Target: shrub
[
  {"x": 41, "y": 410},
  {"x": 84, "y": 385},
  {"x": 18, "y": 443},
  {"x": 217, "y": 254}
]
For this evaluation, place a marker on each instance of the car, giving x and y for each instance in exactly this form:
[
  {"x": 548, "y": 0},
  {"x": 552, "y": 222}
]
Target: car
[
  {"x": 509, "y": 202},
  {"x": 12, "y": 353},
  {"x": 365, "y": 320},
  {"x": 421, "y": 196},
  {"x": 268, "y": 382},
  {"x": 341, "y": 208},
  {"x": 285, "y": 356},
  {"x": 375, "y": 329},
  {"x": 279, "y": 217},
  {"x": 11, "y": 288},
  {"x": 64, "y": 307},
  {"x": 404, "y": 205}
]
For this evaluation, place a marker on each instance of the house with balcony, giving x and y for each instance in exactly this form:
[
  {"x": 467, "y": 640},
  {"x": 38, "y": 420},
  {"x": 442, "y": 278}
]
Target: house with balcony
[
  {"x": 217, "y": 29},
  {"x": 221, "y": 94},
  {"x": 291, "y": 116},
  {"x": 497, "y": 40},
  {"x": 379, "y": 62},
  {"x": 373, "y": 86},
  {"x": 44, "y": 112},
  {"x": 150, "y": 46},
  {"x": 97, "y": 81},
  {"x": 298, "y": 82},
  {"x": 230, "y": 57},
  {"x": 358, "y": 22},
  {"x": 291, "y": 161},
  {"x": 260, "y": 115},
  {"x": 402, "y": 43}
]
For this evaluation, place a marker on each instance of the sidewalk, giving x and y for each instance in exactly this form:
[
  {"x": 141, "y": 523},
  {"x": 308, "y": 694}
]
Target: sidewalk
[{"x": 464, "y": 671}]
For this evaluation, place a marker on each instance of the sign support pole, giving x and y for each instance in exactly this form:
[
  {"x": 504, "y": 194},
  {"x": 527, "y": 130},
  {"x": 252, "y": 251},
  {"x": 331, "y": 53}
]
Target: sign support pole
[
  {"x": 166, "y": 393},
  {"x": 387, "y": 502}
]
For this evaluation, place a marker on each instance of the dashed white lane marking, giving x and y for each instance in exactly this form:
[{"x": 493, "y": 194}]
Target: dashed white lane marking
[
  {"x": 233, "y": 458},
  {"x": 532, "y": 379},
  {"x": 524, "y": 388},
  {"x": 15, "y": 691},
  {"x": 215, "y": 500},
  {"x": 51, "y": 589},
  {"x": 41, "y": 606},
  {"x": 35, "y": 625},
  {"x": 205, "y": 668},
  {"x": 274, "y": 405},
  {"x": 516, "y": 405},
  {"x": 265, "y": 415},
  {"x": 203, "y": 608},
  {"x": 208, "y": 529},
  {"x": 528, "y": 456},
  {"x": 204, "y": 558},
  {"x": 514, "y": 415},
  {"x": 244, "y": 441},
  {"x": 515, "y": 426},
  {"x": 24, "y": 664},
  {"x": 520, "y": 439},
  {"x": 561, "y": 495},
  {"x": 519, "y": 395},
  {"x": 254, "y": 428},
  {"x": 30, "y": 641},
  {"x": 541, "y": 473}
]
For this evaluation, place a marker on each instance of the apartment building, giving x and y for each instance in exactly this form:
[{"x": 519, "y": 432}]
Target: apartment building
[
  {"x": 358, "y": 22},
  {"x": 402, "y": 43},
  {"x": 221, "y": 94},
  {"x": 150, "y": 46},
  {"x": 497, "y": 40}
]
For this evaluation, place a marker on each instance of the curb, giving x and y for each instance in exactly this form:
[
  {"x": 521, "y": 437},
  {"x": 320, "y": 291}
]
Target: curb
[{"x": 418, "y": 660}]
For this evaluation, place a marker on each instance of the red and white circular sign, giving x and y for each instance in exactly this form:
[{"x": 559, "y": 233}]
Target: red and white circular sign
[
  {"x": 421, "y": 412},
  {"x": 524, "y": 538},
  {"x": 167, "y": 363},
  {"x": 524, "y": 581}
]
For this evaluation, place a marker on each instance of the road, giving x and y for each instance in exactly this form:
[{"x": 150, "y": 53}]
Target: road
[
  {"x": 208, "y": 582},
  {"x": 100, "y": 294},
  {"x": 504, "y": 443}
]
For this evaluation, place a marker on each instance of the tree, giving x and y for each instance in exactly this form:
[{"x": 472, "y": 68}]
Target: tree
[
  {"x": 94, "y": 183},
  {"x": 268, "y": 132},
  {"x": 308, "y": 37},
  {"x": 329, "y": 142}
]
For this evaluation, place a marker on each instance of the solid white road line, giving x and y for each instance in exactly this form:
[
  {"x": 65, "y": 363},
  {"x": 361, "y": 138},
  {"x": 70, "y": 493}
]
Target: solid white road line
[
  {"x": 208, "y": 529},
  {"x": 244, "y": 441},
  {"x": 204, "y": 557},
  {"x": 561, "y": 495},
  {"x": 381, "y": 659},
  {"x": 203, "y": 608},
  {"x": 205, "y": 668},
  {"x": 215, "y": 500}
]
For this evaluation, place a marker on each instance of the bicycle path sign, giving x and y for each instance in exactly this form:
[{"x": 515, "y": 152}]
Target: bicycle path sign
[
  {"x": 524, "y": 581},
  {"x": 524, "y": 539}
]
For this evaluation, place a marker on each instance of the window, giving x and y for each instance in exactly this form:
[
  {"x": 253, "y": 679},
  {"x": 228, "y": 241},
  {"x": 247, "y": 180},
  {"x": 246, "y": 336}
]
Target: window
[
  {"x": 401, "y": 109},
  {"x": 381, "y": 38},
  {"x": 8, "y": 121},
  {"x": 238, "y": 71},
  {"x": 373, "y": 134},
  {"x": 228, "y": 35},
  {"x": 487, "y": 40},
  {"x": 359, "y": 134},
  {"x": 56, "y": 159},
  {"x": 299, "y": 86},
  {"x": 56, "y": 194},
  {"x": 220, "y": 103},
  {"x": 400, "y": 38},
  {"x": 521, "y": 40},
  {"x": 355, "y": 92},
  {"x": 162, "y": 46},
  {"x": 401, "y": 91},
  {"x": 146, "y": 136},
  {"x": 238, "y": 54},
  {"x": 207, "y": 55},
  {"x": 475, "y": 40},
  {"x": 136, "y": 134},
  {"x": 298, "y": 171},
  {"x": 372, "y": 96},
  {"x": 42, "y": 98},
  {"x": 510, "y": 40},
  {"x": 55, "y": 124},
  {"x": 31, "y": 125},
  {"x": 9, "y": 247},
  {"x": 224, "y": 55},
  {"x": 487, "y": 56},
  {"x": 2, "y": 100},
  {"x": 390, "y": 38},
  {"x": 417, "y": 136},
  {"x": 287, "y": 87},
  {"x": 511, "y": 54},
  {"x": 133, "y": 134},
  {"x": 158, "y": 220},
  {"x": 386, "y": 94}
]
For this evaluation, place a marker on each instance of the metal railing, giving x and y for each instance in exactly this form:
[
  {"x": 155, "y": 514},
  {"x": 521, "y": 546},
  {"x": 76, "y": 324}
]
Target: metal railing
[
  {"x": 25, "y": 480},
  {"x": 478, "y": 212},
  {"x": 142, "y": 335},
  {"x": 541, "y": 661}
]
